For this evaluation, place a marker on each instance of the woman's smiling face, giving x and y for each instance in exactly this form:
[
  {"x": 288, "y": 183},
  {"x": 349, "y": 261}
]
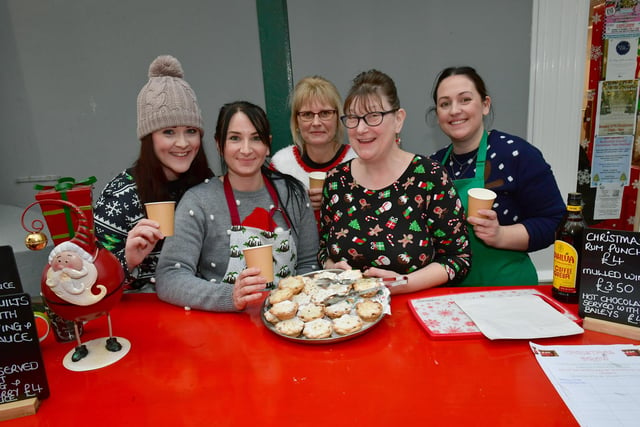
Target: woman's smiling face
[
  {"x": 460, "y": 109},
  {"x": 176, "y": 147},
  {"x": 372, "y": 142},
  {"x": 244, "y": 151}
]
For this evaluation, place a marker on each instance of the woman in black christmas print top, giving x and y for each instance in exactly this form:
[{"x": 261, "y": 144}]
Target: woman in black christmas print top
[{"x": 389, "y": 211}]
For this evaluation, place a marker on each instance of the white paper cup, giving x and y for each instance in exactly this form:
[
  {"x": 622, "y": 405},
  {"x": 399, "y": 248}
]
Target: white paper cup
[
  {"x": 479, "y": 198},
  {"x": 162, "y": 213},
  {"x": 316, "y": 179},
  {"x": 262, "y": 258}
]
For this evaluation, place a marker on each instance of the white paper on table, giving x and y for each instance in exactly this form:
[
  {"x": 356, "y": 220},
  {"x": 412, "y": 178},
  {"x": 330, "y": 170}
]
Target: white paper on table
[
  {"x": 517, "y": 317},
  {"x": 600, "y": 384}
]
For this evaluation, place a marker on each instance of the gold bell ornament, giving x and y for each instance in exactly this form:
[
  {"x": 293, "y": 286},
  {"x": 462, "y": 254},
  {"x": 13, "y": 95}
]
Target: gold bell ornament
[{"x": 36, "y": 240}]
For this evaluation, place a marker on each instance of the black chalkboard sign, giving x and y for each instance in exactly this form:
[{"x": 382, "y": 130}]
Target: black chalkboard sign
[
  {"x": 22, "y": 373},
  {"x": 610, "y": 276},
  {"x": 9, "y": 276}
]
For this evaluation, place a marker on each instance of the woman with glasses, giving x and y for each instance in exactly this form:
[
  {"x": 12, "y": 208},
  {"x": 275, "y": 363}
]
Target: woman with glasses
[
  {"x": 316, "y": 108},
  {"x": 388, "y": 211},
  {"x": 528, "y": 207},
  {"x": 202, "y": 265}
]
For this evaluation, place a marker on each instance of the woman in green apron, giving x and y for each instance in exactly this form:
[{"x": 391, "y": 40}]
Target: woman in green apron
[
  {"x": 202, "y": 266},
  {"x": 528, "y": 206}
]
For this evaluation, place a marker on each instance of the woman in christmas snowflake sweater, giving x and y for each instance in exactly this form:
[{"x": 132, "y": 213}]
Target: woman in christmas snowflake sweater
[
  {"x": 171, "y": 161},
  {"x": 316, "y": 108},
  {"x": 528, "y": 206},
  {"x": 389, "y": 211}
]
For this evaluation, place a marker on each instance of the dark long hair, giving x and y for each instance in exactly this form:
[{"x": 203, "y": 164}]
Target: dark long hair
[
  {"x": 258, "y": 119},
  {"x": 153, "y": 185}
]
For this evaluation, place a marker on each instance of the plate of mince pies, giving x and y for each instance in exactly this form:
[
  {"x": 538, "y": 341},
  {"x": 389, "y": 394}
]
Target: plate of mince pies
[{"x": 325, "y": 306}]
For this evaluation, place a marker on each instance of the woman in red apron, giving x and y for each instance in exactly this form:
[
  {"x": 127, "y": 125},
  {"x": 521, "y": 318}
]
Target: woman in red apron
[
  {"x": 528, "y": 206},
  {"x": 202, "y": 266}
]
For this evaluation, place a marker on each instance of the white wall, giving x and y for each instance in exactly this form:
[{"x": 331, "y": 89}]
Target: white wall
[{"x": 558, "y": 58}]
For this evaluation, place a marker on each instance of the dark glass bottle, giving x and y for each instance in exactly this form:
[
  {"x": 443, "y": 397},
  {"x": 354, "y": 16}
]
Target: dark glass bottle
[{"x": 566, "y": 252}]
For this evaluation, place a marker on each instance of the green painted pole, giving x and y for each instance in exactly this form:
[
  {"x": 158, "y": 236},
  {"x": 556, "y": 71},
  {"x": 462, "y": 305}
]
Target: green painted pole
[{"x": 277, "y": 72}]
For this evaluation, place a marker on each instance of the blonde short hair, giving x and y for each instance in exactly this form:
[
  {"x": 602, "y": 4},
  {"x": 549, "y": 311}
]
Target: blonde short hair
[{"x": 309, "y": 88}]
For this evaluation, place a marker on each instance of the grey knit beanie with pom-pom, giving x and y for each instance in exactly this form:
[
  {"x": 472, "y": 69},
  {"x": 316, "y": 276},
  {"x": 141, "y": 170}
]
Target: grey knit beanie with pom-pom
[{"x": 167, "y": 100}]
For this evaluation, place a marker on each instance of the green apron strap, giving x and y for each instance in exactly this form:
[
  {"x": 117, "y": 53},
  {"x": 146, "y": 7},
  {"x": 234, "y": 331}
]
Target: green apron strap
[
  {"x": 478, "y": 179},
  {"x": 491, "y": 266}
]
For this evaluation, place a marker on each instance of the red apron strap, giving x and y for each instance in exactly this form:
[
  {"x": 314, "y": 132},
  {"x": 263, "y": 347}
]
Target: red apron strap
[
  {"x": 233, "y": 207},
  {"x": 274, "y": 198},
  {"x": 231, "y": 201}
]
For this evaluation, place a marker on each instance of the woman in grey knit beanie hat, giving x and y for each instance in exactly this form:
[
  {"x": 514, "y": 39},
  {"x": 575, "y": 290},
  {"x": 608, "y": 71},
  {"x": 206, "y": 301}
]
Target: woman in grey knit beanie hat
[
  {"x": 171, "y": 160},
  {"x": 167, "y": 100}
]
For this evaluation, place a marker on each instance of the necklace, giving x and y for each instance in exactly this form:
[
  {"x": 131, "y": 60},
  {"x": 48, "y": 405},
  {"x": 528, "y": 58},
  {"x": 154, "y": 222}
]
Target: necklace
[{"x": 459, "y": 168}]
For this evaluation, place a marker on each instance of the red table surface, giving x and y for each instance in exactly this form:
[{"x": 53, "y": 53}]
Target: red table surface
[{"x": 227, "y": 369}]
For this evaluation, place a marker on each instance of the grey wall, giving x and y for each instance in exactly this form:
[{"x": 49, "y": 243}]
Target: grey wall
[
  {"x": 412, "y": 40},
  {"x": 72, "y": 68}
]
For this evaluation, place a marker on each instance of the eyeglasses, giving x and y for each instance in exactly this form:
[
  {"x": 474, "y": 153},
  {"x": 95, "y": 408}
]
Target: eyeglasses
[
  {"x": 324, "y": 115},
  {"x": 374, "y": 118}
]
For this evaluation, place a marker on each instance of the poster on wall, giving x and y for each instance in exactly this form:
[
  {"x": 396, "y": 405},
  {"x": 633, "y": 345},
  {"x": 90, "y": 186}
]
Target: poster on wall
[
  {"x": 613, "y": 112},
  {"x": 611, "y": 160},
  {"x": 621, "y": 58},
  {"x": 617, "y": 107},
  {"x": 608, "y": 203},
  {"x": 620, "y": 12}
]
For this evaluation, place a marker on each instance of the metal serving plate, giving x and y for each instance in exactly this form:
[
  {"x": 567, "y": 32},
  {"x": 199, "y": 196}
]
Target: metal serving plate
[{"x": 334, "y": 338}]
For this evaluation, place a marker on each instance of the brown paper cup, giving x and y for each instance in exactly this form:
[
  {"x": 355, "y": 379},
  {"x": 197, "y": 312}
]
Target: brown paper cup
[
  {"x": 262, "y": 258},
  {"x": 162, "y": 213},
  {"x": 316, "y": 179},
  {"x": 479, "y": 198}
]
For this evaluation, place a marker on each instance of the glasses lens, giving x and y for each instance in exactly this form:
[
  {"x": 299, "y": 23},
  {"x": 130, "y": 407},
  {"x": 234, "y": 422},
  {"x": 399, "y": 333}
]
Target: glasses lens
[
  {"x": 373, "y": 119},
  {"x": 350, "y": 121},
  {"x": 306, "y": 116},
  {"x": 326, "y": 114}
]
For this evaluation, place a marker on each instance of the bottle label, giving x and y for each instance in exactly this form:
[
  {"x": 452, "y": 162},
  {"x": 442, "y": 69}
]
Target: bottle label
[{"x": 565, "y": 267}]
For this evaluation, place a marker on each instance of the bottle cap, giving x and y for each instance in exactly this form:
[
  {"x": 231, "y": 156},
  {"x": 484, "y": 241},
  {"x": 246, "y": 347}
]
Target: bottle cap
[{"x": 575, "y": 199}]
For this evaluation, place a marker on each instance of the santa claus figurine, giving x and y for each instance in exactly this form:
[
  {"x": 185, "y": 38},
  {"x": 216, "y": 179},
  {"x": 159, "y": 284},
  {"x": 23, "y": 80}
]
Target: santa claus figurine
[
  {"x": 82, "y": 282},
  {"x": 72, "y": 274},
  {"x": 75, "y": 290}
]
